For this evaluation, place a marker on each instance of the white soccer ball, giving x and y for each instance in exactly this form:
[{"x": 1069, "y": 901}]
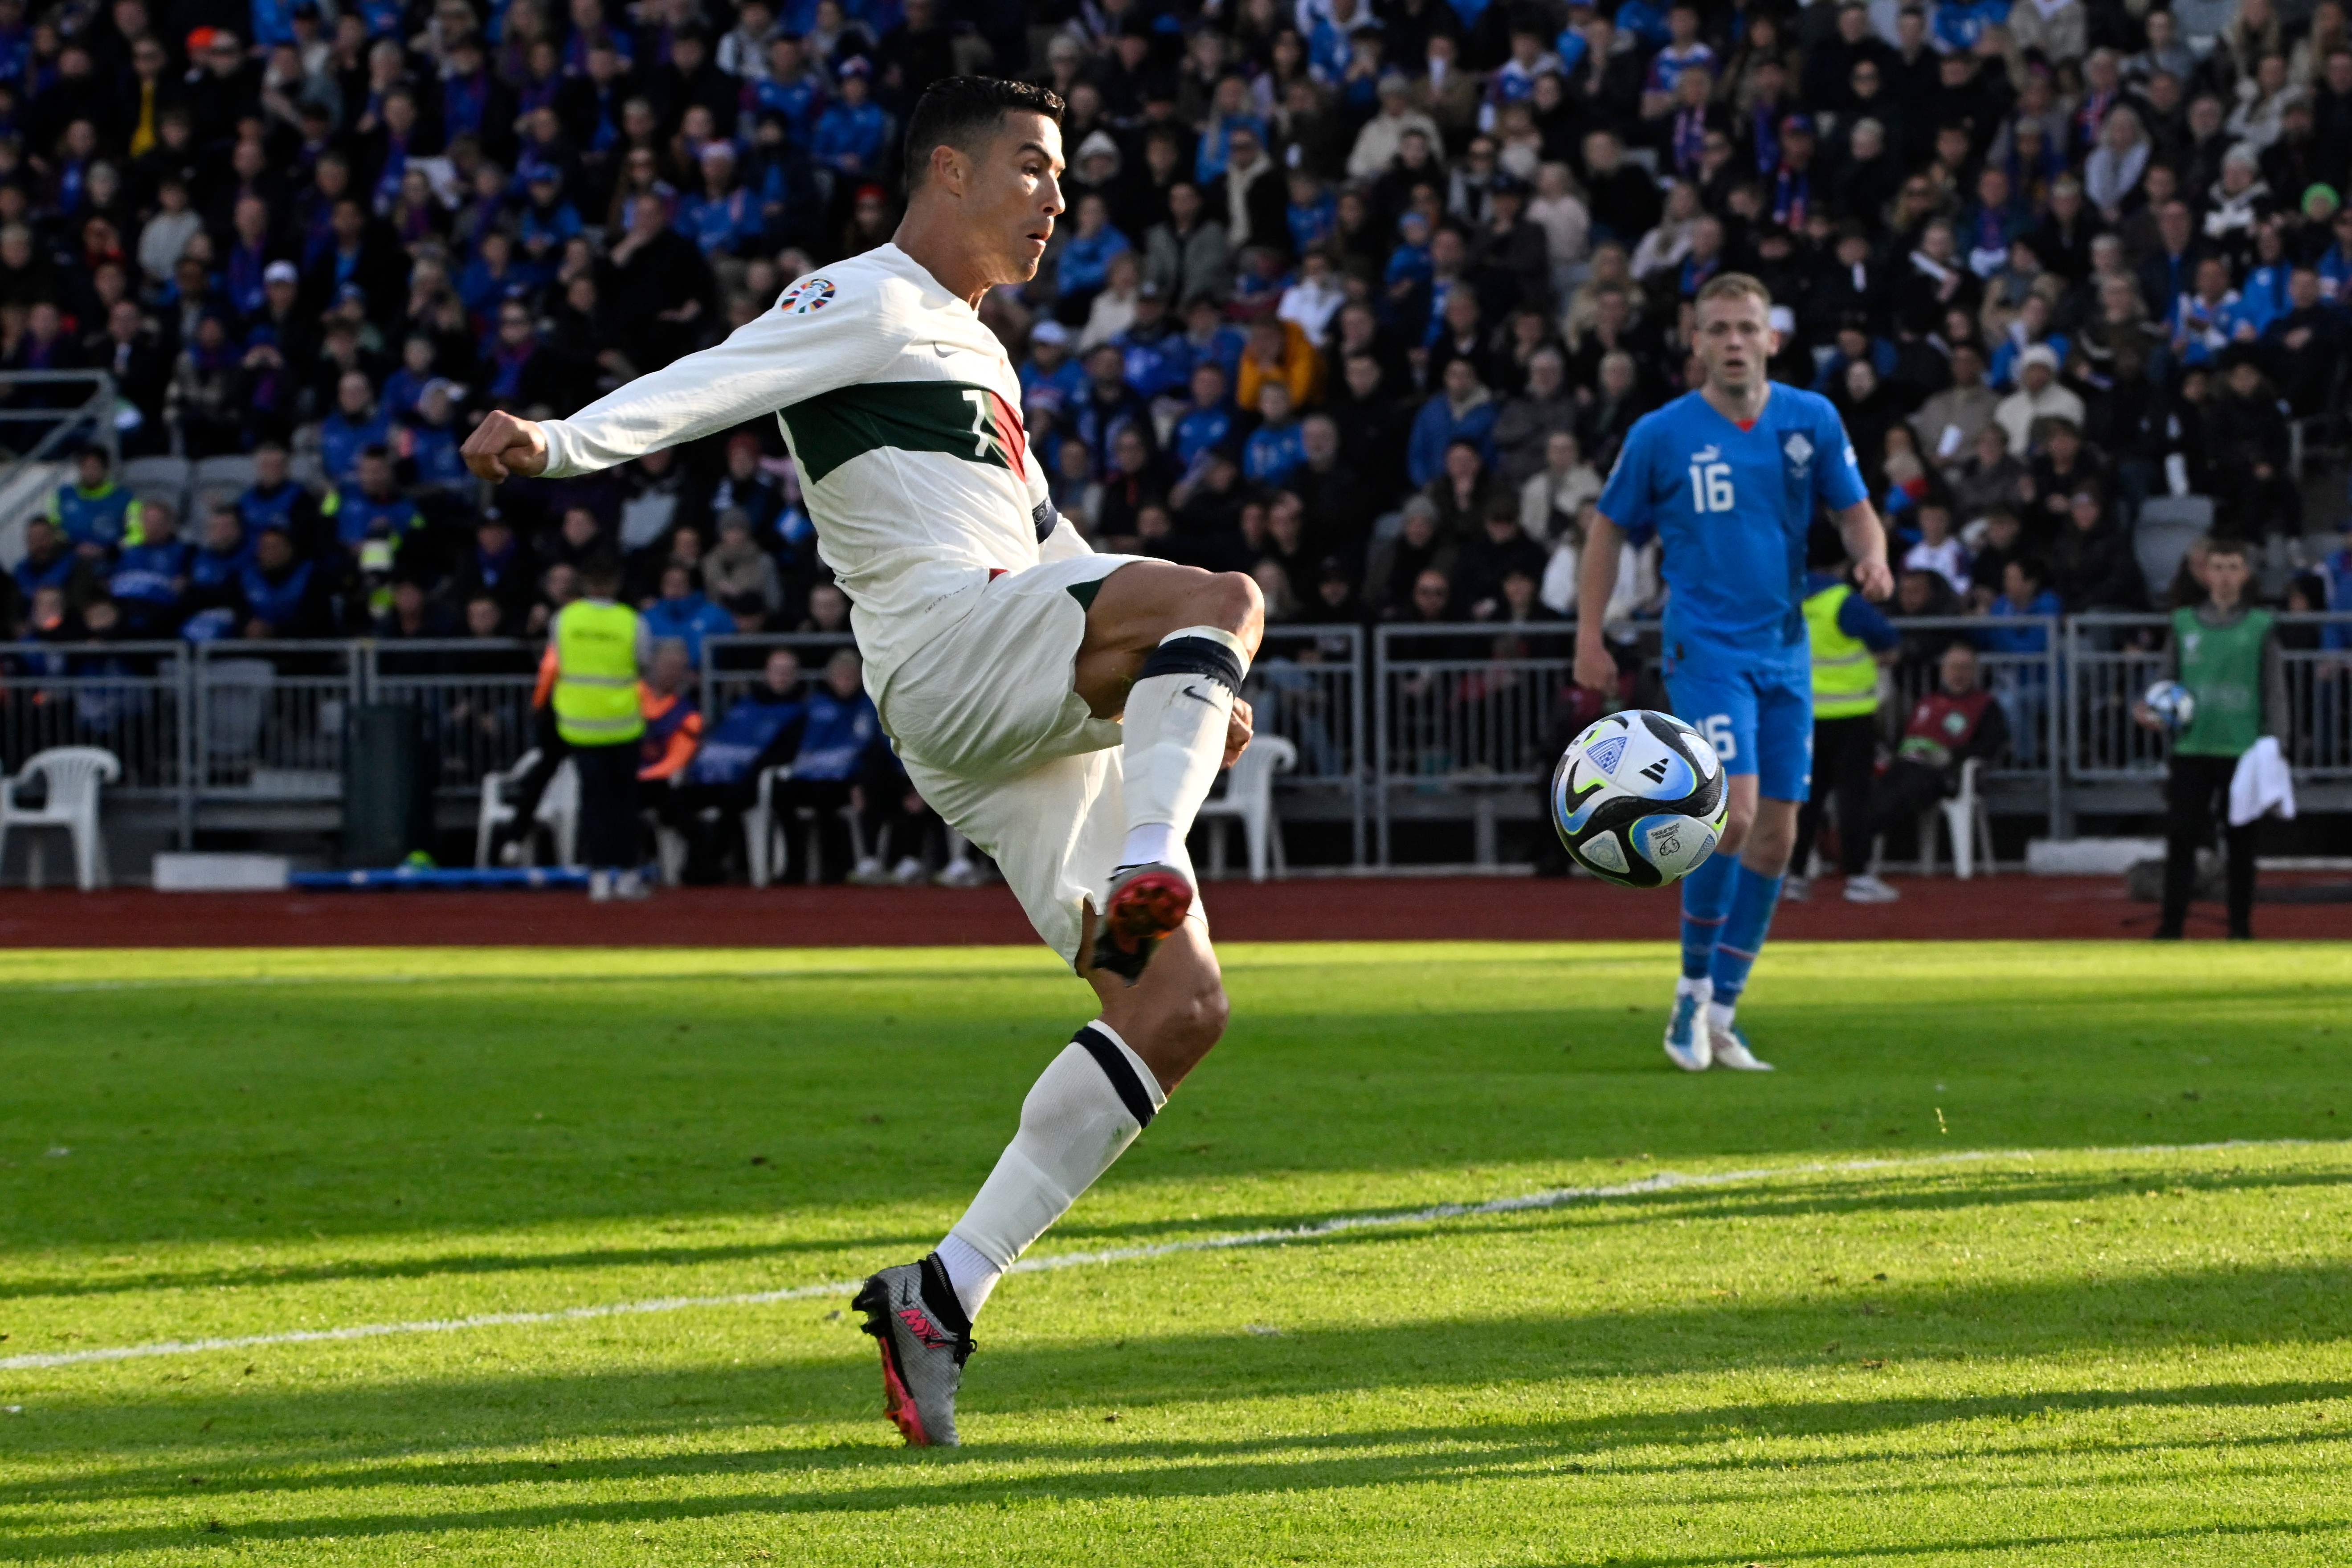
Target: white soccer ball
[
  {"x": 1639, "y": 799},
  {"x": 2173, "y": 704}
]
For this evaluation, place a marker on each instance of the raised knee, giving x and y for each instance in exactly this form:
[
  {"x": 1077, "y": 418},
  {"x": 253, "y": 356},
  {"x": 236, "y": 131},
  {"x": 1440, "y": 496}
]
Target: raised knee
[
  {"x": 1199, "y": 1021},
  {"x": 1236, "y": 602}
]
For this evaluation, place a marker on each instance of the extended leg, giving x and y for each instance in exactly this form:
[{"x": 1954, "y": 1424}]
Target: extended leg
[{"x": 1085, "y": 1109}]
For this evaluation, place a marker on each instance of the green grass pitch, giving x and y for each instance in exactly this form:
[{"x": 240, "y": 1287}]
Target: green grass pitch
[{"x": 2030, "y": 1254}]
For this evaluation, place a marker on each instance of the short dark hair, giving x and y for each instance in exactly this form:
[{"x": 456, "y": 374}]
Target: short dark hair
[
  {"x": 953, "y": 108},
  {"x": 2228, "y": 544},
  {"x": 601, "y": 571}
]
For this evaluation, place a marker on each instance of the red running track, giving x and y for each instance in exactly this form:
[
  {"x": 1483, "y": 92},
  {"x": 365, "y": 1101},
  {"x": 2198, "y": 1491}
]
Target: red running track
[{"x": 1353, "y": 908}]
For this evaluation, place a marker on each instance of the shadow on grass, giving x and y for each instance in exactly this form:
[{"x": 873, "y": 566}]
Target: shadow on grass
[
  {"x": 1926, "y": 1189},
  {"x": 313, "y": 1443},
  {"x": 866, "y": 1479}
]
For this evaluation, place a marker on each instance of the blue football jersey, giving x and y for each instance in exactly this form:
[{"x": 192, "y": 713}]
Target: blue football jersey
[{"x": 1732, "y": 508}]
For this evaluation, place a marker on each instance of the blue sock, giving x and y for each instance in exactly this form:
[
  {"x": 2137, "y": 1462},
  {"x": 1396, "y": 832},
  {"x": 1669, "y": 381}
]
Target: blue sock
[
  {"x": 1753, "y": 898},
  {"x": 1706, "y": 898}
]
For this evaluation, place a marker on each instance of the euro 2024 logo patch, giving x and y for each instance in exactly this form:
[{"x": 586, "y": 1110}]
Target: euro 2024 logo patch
[{"x": 807, "y": 295}]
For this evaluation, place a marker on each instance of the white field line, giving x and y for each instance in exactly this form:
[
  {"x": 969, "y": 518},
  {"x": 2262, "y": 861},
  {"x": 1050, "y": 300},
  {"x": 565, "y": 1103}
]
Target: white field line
[{"x": 1556, "y": 1197}]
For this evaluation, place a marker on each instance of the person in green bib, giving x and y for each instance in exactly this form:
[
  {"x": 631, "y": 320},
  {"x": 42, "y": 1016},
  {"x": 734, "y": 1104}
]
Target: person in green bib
[
  {"x": 2227, "y": 654},
  {"x": 1851, "y": 641},
  {"x": 601, "y": 649}
]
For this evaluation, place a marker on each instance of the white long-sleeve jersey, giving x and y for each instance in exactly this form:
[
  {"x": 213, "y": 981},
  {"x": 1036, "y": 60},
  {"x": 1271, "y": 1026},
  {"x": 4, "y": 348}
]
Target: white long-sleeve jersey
[{"x": 904, "y": 415}]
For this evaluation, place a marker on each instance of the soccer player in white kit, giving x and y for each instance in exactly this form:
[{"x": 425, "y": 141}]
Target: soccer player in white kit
[{"x": 1066, "y": 712}]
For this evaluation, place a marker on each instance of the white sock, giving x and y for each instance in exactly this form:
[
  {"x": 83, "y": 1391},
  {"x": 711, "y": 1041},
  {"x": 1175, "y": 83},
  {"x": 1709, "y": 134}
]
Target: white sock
[
  {"x": 1082, "y": 1111},
  {"x": 1718, "y": 1014},
  {"x": 1703, "y": 988},
  {"x": 1176, "y": 717},
  {"x": 1153, "y": 841}
]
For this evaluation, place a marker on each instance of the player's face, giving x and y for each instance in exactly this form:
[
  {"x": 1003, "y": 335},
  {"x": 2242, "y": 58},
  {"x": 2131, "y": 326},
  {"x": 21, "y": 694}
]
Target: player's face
[
  {"x": 1735, "y": 340},
  {"x": 1016, "y": 192}
]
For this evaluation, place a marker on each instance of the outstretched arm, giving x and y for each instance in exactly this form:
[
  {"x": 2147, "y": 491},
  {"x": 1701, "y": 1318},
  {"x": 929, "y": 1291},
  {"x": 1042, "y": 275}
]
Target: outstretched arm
[{"x": 766, "y": 365}]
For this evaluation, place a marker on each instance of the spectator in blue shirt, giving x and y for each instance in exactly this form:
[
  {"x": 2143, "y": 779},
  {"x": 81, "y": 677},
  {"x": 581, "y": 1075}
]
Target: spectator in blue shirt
[
  {"x": 221, "y": 556},
  {"x": 723, "y": 216},
  {"x": 94, "y": 512},
  {"x": 1275, "y": 446},
  {"x": 2023, "y": 689},
  {"x": 367, "y": 507},
  {"x": 842, "y": 760},
  {"x": 430, "y": 440},
  {"x": 149, "y": 580},
  {"x": 853, "y": 134},
  {"x": 683, "y": 614},
  {"x": 274, "y": 497},
  {"x": 1210, "y": 339},
  {"x": 1209, "y": 420},
  {"x": 792, "y": 88},
  {"x": 1049, "y": 373},
  {"x": 549, "y": 222},
  {"x": 403, "y": 386},
  {"x": 356, "y": 425},
  {"x": 1085, "y": 261},
  {"x": 1463, "y": 411},
  {"x": 1958, "y": 23},
  {"x": 2210, "y": 320},
  {"x": 1159, "y": 362}
]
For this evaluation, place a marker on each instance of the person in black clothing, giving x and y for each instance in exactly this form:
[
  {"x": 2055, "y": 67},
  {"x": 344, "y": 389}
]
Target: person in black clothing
[
  {"x": 1500, "y": 549},
  {"x": 2303, "y": 350},
  {"x": 2246, "y": 446}
]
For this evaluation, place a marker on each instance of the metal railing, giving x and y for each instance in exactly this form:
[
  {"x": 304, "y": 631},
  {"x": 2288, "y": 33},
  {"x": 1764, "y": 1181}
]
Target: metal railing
[
  {"x": 2019, "y": 660},
  {"x": 1307, "y": 685},
  {"x": 733, "y": 664},
  {"x": 2111, "y": 660},
  {"x": 475, "y": 695},
  {"x": 90, "y": 419},
  {"x": 1455, "y": 720}
]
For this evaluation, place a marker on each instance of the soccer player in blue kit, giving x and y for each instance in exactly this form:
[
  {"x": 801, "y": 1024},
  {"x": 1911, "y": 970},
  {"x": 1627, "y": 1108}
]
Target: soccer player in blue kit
[{"x": 1728, "y": 478}]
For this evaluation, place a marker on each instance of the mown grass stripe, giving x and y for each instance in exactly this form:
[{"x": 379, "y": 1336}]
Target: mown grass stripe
[{"x": 1435, "y": 1214}]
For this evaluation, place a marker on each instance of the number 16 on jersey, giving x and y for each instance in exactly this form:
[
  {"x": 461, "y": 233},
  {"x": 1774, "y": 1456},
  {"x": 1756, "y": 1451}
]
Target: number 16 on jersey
[{"x": 1710, "y": 479}]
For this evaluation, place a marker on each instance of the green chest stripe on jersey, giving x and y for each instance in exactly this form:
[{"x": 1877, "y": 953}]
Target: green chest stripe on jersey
[{"x": 950, "y": 416}]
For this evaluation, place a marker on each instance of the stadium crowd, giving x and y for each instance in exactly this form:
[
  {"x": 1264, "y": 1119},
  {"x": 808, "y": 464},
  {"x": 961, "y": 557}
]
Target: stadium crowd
[{"x": 1359, "y": 296}]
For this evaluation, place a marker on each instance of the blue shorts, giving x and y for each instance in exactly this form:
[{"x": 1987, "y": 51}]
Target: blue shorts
[{"x": 1760, "y": 721}]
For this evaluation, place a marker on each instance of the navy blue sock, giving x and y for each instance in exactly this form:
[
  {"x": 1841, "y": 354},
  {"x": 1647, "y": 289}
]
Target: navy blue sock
[
  {"x": 1753, "y": 898},
  {"x": 1706, "y": 899}
]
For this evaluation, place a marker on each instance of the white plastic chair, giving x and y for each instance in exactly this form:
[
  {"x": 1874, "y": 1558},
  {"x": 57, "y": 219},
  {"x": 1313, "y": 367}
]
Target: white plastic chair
[
  {"x": 1965, "y": 820},
  {"x": 558, "y": 811},
  {"x": 73, "y": 775},
  {"x": 1249, "y": 797},
  {"x": 767, "y": 844}
]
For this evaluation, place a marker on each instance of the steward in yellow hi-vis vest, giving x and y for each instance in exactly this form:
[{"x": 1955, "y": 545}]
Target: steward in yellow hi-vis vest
[
  {"x": 598, "y": 647},
  {"x": 1850, "y": 641},
  {"x": 596, "y": 674}
]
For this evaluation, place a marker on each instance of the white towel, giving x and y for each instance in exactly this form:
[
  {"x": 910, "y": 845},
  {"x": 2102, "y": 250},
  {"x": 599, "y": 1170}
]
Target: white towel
[{"x": 2261, "y": 783}]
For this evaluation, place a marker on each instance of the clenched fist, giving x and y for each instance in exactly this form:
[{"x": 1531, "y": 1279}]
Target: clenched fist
[{"x": 504, "y": 446}]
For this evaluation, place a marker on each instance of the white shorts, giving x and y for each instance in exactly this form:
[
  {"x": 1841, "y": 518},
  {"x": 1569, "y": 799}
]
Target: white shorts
[{"x": 987, "y": 718}]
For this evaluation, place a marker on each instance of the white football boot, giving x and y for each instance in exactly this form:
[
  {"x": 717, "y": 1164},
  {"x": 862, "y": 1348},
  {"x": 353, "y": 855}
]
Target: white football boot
[
  {"x": 1729, "y": 1049},
  {"x": 1687, "y": 1046}
]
